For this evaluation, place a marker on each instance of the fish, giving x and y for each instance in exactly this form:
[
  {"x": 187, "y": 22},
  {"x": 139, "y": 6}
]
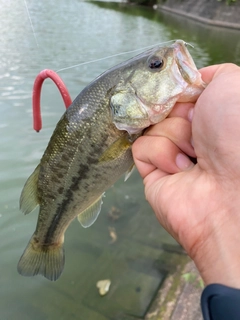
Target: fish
[{"x": 90, "y": 148}]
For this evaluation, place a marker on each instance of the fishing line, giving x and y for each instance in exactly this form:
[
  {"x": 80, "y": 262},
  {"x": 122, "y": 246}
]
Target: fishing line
[
  {"x": 114, "y": 55},
  {"x": 30, "y": 20}
]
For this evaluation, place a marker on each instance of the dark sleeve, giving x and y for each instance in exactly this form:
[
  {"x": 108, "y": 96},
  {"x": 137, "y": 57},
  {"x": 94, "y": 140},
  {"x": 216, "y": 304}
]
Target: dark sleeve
[{"x": 219, "y": 302}]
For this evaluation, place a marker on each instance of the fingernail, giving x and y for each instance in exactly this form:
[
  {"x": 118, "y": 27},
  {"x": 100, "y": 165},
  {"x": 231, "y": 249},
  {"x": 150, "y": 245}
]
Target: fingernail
[
  {"x": 190, "y": 114},
  {"x": 183, "y": 162}
]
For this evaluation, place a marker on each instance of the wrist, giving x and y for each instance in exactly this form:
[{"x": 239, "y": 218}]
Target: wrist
[{"x": 218, "y": 257}]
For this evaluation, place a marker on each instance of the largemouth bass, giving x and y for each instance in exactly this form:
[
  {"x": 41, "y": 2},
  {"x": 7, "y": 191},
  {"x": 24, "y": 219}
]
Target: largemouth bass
[{"x": 91, "y": 146}]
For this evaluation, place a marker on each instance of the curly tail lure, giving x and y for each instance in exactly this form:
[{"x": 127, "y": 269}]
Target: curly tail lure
[{"x": 36, "y": 96}]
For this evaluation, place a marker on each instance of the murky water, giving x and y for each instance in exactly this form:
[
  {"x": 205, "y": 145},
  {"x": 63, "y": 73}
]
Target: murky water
[{"x": 61, "y": 34}]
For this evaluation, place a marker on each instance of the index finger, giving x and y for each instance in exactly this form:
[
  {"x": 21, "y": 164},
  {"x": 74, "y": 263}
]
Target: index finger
[
  {"x": 209, "y": 72},
  {"x": 182, "y": 109}
]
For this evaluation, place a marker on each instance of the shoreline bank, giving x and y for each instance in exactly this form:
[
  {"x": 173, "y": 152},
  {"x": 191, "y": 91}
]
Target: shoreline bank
[{"x": 218, "y": 23}]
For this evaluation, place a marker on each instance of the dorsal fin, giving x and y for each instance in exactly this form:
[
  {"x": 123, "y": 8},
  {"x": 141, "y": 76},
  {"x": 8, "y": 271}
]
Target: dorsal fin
[{"x": 29, "y": 198}]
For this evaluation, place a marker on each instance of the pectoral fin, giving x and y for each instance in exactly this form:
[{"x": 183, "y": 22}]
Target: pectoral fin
[
  {"x": 29, "y": 198},
  {"x": 129, "y": 172},
  {"x": 116, "y": 149},
  {"x": 89, "y": 216}
]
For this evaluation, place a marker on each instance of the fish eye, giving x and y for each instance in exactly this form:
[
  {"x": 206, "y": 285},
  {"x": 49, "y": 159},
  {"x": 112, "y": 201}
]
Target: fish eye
[{"x": 155, "y": 63}]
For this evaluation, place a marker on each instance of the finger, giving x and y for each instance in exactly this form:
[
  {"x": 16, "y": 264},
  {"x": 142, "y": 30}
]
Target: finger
[
  {"x": 209, "y": 72},
  {"x": 154, "y": 176},
  {"x": 178, "y": 130},
  {"x": 182, "y": 109},
  {"x": 151, "y": 152}
]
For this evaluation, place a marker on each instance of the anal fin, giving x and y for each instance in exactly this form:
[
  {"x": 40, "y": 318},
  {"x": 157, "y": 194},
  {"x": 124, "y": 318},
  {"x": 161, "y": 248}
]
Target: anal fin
[{"x": 89, "y": 215}]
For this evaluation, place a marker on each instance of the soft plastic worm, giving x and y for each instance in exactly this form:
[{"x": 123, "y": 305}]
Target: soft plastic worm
[{"x": 36, "y": 96}]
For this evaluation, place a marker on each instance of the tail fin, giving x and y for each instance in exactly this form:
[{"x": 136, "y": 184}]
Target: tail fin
[{"x": 47, "y": 260}]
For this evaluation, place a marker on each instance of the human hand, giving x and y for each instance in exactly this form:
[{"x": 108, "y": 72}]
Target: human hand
[{"x": 199, "y": 205}]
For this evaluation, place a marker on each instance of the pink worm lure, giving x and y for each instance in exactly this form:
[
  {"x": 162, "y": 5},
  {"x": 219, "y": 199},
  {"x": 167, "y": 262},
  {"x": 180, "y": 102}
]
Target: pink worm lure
[{"x": 36, "y": 96}]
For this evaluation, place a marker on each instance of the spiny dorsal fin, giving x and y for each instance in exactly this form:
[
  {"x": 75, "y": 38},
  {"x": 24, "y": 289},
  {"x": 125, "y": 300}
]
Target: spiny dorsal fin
[
  {"x": 29, "y": 198},
  {"x": 89, "y": 216},
  {"x": 116, "y": 149}
]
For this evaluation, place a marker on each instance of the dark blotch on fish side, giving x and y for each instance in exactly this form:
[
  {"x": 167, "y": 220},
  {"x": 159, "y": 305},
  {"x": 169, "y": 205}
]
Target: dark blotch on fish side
[
  {"x": 65, "y": 158},
  {"x": 50, "y": 196},
  {"x": 60, "y": 190}
]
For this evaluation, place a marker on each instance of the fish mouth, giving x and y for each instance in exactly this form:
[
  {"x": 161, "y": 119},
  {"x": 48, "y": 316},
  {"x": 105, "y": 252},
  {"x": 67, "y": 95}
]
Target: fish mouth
[{"x": 185, "y": 63}]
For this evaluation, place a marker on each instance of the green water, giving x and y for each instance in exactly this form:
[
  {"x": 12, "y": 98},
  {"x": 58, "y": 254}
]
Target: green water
[{"x": 62, "y": 34}]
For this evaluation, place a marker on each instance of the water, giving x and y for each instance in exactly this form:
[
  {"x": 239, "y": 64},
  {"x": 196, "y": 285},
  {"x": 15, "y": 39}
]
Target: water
[{"x": 62, "y": 34}]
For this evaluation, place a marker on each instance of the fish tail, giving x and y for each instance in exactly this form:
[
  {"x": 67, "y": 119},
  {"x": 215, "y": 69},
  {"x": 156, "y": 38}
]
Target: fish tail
[{"x": 47, "y": 260}]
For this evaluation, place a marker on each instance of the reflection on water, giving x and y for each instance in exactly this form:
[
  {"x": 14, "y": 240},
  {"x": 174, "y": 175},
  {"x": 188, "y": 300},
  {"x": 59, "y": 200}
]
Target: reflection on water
[{"x": 67, "y": 34}]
